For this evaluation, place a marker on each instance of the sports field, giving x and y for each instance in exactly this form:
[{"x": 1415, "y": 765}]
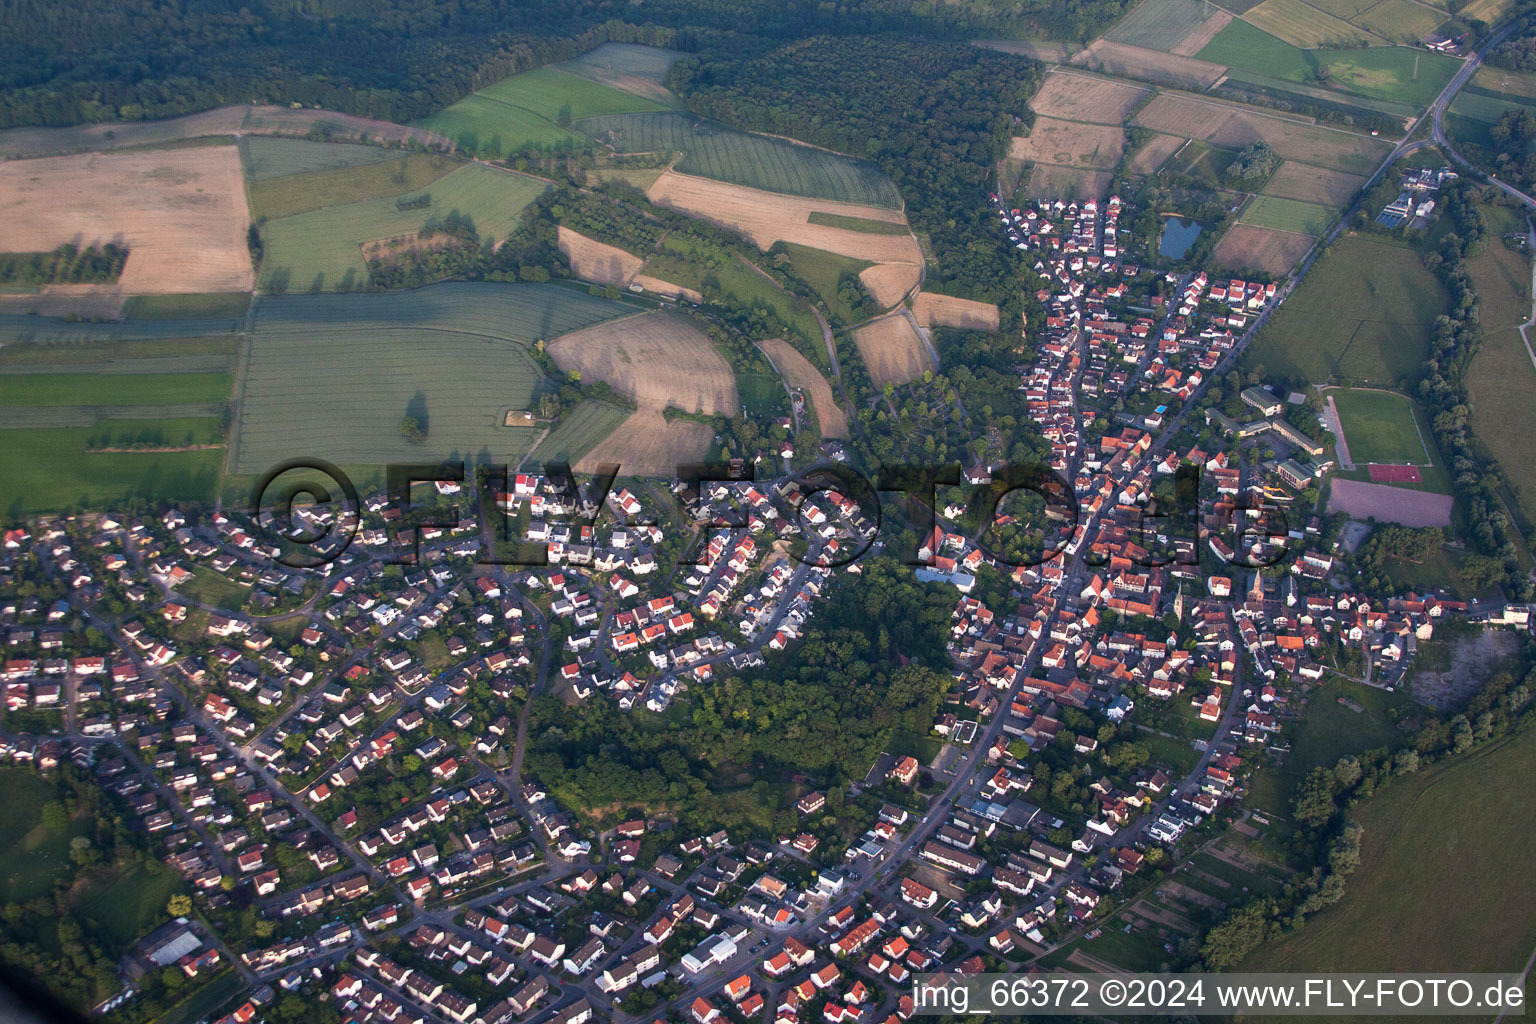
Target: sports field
[
  {"x": 1502, "y": 379},
  {"x": 321, "y": 250},
  {"x": 333, "y": 376},
  {"x": 1398, "y": 73},
  {"x": 1288, "y": 215},
  {"x": 1381, "y": 426},
  {"x": 531, "y": 110},
  {"x": 1363, "y": 315},
  {"x": 1402, "y": 910},
  {"x": 757, "y": 161}
]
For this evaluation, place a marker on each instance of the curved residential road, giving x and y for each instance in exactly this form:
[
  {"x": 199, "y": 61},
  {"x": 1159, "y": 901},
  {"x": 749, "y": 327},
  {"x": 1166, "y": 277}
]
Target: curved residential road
[{"x": 1437, "y": 112}]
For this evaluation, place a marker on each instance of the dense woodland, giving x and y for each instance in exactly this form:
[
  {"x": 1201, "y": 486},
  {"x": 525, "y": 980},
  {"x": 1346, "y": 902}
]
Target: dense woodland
[
  {"x": 70, "y": 62},
  {"x": 872, "y": 662},
  {"x": 936, "y": 117}
]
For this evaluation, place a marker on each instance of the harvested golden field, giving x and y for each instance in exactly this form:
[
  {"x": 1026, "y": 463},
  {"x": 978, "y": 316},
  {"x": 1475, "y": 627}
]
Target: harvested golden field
[
  {"x": 648, "y": 444},
  {"x": 768, "y": 217},
  {"x": 1235, "y": 127},
  {"x": 1052, "y": 181},
  {"x": 797, "y": 369},
  {"x": 1079, "y": 97},
  {"x": 1149, "y": 65},
  {"x": 658, "y": 359},
  {"x": 592, "y": 260},
  {"x": 1246, "y": 247},
  {"x": 1313, "y": 184},
  {"x": 666, "y": 289},
  {"x": 935, "y": 310},
  {"x": 1155, "y": 153},
  {"x": 889, "y": 283},
  {"x": 1201, "y": 34},
  {"x": 1302, "y": 24},
  {"x": 181, "y": 212},
  {"x": 1054, "y": 141},
  {"x": 892, "y": 351}
]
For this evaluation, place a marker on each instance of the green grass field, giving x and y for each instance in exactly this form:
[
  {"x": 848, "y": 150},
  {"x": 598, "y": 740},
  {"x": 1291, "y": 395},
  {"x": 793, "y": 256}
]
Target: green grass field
[
  {"x": 1362, "y": 315},
  {"x": 1402, "y": 21},
  {"x": 270, "y": 156},
  {"x": 715, "y": 151},
  {"x": 864, "y": 224},
  {"x": 208, "y": 587},
  {"x": 1502, "y": 379},
  {"x": 31, "y": 856},
  {"x": 186, "y": 355},
  {"x": 578, "y": 432},
  {"x": 1380, "y": 426},
  {"x": 1301, "y": 24},
  {"x": 1288, "y": 215},
  {"x": 125, "y": 904},
  {"x": 762, "y": 394},
  {"x": 47, "y": 389},
  {"x": 1160, "y": 24},
  {"x": 276, "y": 198},
  {"x": 1443, "y": 882},
  {"x": 320, "y": 250},
  {"x": 1397, "y": 73},
  {"x": 334, "y": 375},
  {"x": 1485, "y": 108},
  {"x": 530, "y": 110},
  {"x": 822, "y": 271},
  {"x": 613, "y": 63},
  {"x": 1199, "y": 160},
  {"x": 187, "y": 307}
]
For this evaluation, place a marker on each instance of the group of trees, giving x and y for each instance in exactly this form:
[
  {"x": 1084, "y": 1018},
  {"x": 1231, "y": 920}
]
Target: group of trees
[
  {"x": 68, "y": 264},
  {"x": 1253, "y": 164}
]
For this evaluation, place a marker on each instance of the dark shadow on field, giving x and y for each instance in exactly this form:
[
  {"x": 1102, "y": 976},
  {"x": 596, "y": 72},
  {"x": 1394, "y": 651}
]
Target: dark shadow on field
[{"x": 416, "y": 409}]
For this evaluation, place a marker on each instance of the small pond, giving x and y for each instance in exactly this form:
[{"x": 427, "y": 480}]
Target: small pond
[{"x": 1178, "y": 236}]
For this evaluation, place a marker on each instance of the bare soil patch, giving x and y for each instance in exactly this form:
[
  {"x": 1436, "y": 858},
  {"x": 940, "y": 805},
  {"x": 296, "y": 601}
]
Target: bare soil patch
[
  {"x": 1155, "y": 153},
  {"x": 1389, "y": 504},
  {"x": 797, "y": 369},
  {"x": 666, "y": 289},
  {"x": 1187, "y": 895},
  {"x": 1149, "y": 65},
  {"x": 1245, "y": 247},
  {"x": 1053, "y": 181},
  {"x": 1201, "y": 34},
  {"x": 182, "y": 214},
  {"x": 658, "y": 359},
  {"x": 1079, "y": 97},
  {"x": 89, "y": 300},
  {"x": 592, "y": 260},
  {"x": 648, "y": 444},
  {"x": 1053, "y": 140},
  {"x": 768, "y": 217},
  {"x": 1313, "y": 184},
  {"x": 934, "y": 310},
  {"x": 889, "y": 283},
  {"x": 892, "y": 351}
]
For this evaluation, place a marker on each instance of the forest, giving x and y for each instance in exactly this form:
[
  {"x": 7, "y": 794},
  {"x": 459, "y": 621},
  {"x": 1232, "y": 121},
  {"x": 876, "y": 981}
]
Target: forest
[
  {"x": 872, "y": 662},
  {"x": 71, "y": 62}
]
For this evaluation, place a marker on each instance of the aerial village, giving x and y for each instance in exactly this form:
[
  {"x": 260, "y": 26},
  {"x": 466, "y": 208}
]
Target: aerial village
[{"x": 325, "y": 754}]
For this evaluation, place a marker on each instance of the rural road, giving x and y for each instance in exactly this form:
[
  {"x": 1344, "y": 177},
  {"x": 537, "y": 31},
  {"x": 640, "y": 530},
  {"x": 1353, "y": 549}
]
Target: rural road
[{"x": 1437, "y": 111}]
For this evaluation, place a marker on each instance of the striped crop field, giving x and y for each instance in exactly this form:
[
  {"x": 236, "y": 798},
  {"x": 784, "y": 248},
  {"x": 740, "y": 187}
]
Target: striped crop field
[{"x": 333, "y": 376}]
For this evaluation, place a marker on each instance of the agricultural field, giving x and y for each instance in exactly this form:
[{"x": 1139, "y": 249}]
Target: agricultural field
[
  {"x": 275, "y": 198},
  {"x": 1160, "y": 24},
  {"x": 830, "y": 418},
  {"x": 1498, "y": 81},
  {"x": 1201, "y": 161},
  {"x": 1313, "y": 184},
  {"x": 322, "y": 249},
  {"x": 1301, "y": 24},
  {"x": 822, "y": 271},
  {"x": 181, "y": 213},
  {"x": 863, "y": 224},
  {"x": 1072, "y": 143},
  {"x": 268, "y": 156},
  {"x": 1363, "y": 315},
  {"x": 1489, "y": 11},
  {"x": 1078, "y": 97},
  {"x": 334, "y": 375},
  {"x": 1234, "y": 126},
  {"x": 629, "y": 67},
  {"x": 892, "y": 351},
  {"x": 1381, "y": 426},
  {"x": 114, "y": 389},
  {"x": 578, "y": 432},
  {"x": 1397, "y": 73},
  {"x": 1502, "y": 379},
  {"x": 187, "y": 307},
  {"x": 934, "y": 310},
  {"x": 660, "y": 360},
  {"x": 532, "y": 109},
  {"x": 592, "y": 260},
  {"x": 1164, "y": 68},
  {"x": 889, "y": 283},
  {"x": 1485, "y": 110},
  {"x": 1052, "y": 181},
  {"x": 1154, "y": 153},
  {"x": 1401, "y": 910},
  {"x": 649, "y": 443},
  {"x": 1288, "y": 215},
  {"x": 1402, "y": 21},
  {"x": 741, "y": 158}
]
